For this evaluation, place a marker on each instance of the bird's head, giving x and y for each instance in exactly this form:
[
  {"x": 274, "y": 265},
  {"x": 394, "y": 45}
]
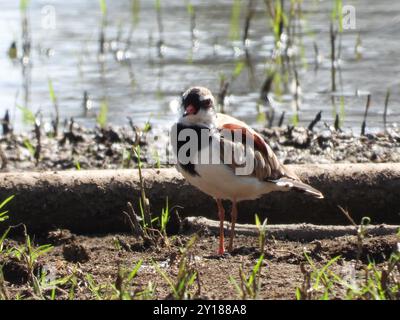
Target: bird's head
[{"x": 198, "y": 106}]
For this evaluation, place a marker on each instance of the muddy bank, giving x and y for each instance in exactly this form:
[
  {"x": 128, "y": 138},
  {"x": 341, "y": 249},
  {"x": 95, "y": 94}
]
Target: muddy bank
[
  {"x": 101, "y": 258},
  {"x": 93, "y": 201},
  {"x": 111, "y": 147}
]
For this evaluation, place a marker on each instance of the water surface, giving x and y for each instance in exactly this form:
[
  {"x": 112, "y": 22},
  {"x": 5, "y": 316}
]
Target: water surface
[{"x": 145, "y": 86}]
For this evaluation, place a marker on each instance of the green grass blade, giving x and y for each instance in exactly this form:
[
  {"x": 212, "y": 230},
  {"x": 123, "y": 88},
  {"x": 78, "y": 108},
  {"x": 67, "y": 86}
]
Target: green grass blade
[
  {"x": 103, "y": 7},
  {"x": 255, "y": 270},
  {"x": 3, "y": 237},
  {"x": 238, "y": 69},
  {"x": 236, "y": 285},
  {"x": 102, "y": 116},
  {"x": 29, "y": 146},
  {"x": 6, "y": 201},
  {"x": 27, "y": 115},
  {"x": 158, "y": 5},
  {"x": 133, "y": 273},
  {"x": 166, "y": 278},
  {"x": 23, "y": 5},
  {"x": 234, "y": 31},
  {"x": 51, "y": 91},
  {"x": 135, "y": 12}
]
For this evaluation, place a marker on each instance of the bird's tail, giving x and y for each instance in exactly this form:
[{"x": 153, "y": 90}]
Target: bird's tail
[{"x": 299, "y": 186}]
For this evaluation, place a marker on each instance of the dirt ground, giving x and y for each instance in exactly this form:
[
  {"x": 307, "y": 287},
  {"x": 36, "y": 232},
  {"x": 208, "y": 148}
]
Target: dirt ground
[{"x": 100, "y": 256}]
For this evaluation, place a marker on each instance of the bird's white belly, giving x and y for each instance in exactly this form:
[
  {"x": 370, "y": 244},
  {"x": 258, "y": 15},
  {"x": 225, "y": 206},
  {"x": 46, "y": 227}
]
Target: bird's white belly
[{"x": 220, "y": 181}]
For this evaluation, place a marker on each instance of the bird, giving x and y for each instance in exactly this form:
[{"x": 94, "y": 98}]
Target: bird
[{"x": 201, "y": 131}]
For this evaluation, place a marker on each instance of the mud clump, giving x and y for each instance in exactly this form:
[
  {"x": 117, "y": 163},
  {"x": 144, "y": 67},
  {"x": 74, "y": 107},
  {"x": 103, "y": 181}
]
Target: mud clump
[
  {"x": 111, "y": 147},
  {"x": 76, "y": 253},
  {"x": 372, "y": 249},
  {"x": 59, "y": 237},
  {"x": 299, "y": 145},
  {"x": 15, "y": 272}
]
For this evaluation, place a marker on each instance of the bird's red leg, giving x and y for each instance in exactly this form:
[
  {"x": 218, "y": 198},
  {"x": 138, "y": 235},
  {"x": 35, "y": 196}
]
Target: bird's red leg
[
  {"x": 221, "y": 215},
  {"x": 233, "y": 216}
]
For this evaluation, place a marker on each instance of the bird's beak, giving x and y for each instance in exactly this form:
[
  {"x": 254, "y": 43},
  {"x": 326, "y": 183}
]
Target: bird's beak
[{"x": 189, "y": 110}]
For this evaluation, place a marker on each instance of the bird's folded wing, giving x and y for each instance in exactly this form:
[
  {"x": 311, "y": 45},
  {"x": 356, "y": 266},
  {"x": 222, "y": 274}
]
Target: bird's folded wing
[{"x": 266, "y": 165}]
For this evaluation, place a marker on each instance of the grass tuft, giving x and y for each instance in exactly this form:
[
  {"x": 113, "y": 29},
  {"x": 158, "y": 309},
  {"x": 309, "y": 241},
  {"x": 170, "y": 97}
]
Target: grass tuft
[
  {"x": 249, "y": 286},
  {"x": 187, "y": 274}
]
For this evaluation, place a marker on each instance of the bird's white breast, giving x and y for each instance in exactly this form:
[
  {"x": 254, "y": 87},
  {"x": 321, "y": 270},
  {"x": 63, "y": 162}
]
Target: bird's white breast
[{"x": 221, "y": 182}]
